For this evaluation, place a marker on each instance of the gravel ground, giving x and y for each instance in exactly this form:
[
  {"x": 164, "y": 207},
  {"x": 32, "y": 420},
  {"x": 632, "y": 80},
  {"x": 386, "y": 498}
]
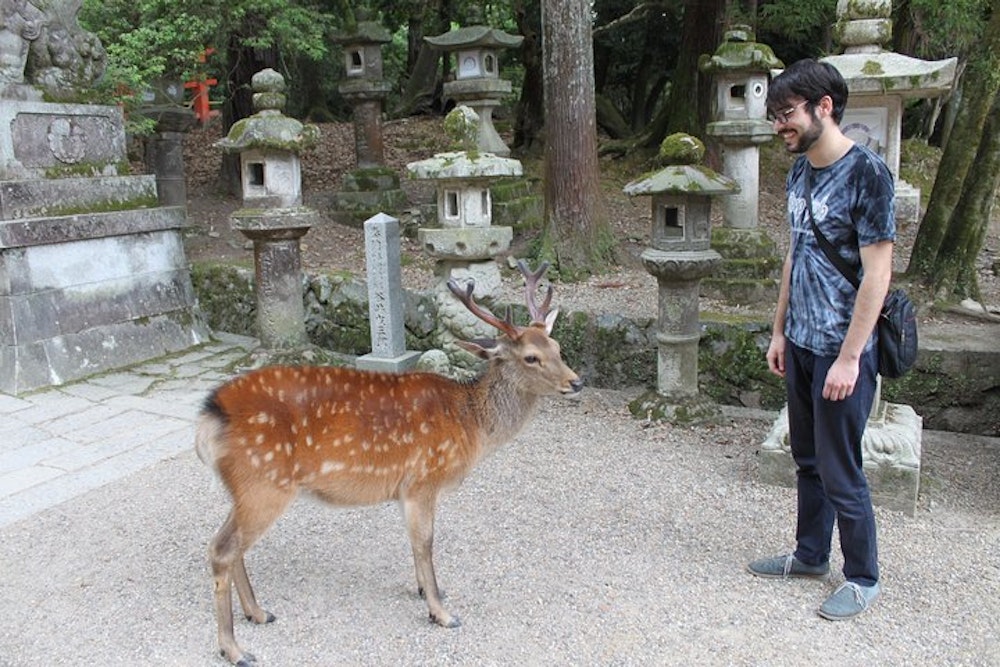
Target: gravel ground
[{"x": 592, "y": 539}]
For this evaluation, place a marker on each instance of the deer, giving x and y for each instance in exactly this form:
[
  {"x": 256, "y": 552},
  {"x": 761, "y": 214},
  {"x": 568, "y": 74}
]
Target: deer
[{"x": 354, "y": 437}]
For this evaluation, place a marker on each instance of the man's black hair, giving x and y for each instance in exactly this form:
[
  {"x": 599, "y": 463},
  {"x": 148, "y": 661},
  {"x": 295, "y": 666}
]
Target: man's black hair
[{"x": 809, "y": 80}]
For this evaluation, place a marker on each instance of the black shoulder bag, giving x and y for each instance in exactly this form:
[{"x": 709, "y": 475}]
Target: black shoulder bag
[{"x": 897, "y": 324}]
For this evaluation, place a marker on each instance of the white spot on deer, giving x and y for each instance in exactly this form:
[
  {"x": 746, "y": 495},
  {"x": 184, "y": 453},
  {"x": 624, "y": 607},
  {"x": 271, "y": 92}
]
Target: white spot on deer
[
  {"x": 425, "y": 428},
  {"x": 330, "y": 466},
  {"x": 255, "y": 461},
  {"x": 309, "y": 441},
  {"x": 269, "y": 457},
  {"x": 259, "y": 439}
]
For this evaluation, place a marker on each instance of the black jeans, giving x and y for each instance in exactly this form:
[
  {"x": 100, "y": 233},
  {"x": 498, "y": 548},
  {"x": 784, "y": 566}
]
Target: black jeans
[{"x": 825, "y": 438}]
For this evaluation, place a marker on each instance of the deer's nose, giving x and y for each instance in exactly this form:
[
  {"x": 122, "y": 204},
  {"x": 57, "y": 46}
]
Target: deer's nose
[{"x": 575, "y": 385}]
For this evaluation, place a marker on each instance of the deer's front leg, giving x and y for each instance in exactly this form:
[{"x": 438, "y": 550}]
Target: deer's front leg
[{"x": 419, "y": 514}]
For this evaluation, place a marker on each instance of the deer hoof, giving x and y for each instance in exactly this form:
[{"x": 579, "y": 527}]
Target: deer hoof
[
  {"x": 268, "y": 618},
  {"x": 246, "y": 660},
  {"x": 450, "y": 622}
]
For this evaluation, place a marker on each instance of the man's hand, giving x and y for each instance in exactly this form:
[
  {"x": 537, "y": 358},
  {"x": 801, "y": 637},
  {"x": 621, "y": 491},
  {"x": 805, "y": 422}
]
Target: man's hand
[
  {"x": 776, "y": 355},
  {"x": 840, "y": 379}
]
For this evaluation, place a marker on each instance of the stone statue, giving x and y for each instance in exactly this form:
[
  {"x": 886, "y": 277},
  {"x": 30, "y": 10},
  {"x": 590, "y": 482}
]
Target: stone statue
[
  {"x": 21, "y": 23},
  {"x": 65, "y": 57}
]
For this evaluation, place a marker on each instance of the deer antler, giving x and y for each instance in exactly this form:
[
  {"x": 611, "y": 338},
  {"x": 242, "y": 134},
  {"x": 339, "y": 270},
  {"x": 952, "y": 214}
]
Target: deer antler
[
  {"x": 465, "y": 296},
  {"x": 538, "y": 314}
]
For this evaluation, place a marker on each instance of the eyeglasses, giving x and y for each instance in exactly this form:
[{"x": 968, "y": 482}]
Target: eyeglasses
[{"x": 783, "y": 115}]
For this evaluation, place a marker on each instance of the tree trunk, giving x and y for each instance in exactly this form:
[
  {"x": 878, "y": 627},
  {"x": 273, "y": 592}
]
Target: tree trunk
[
  {"x": 980, "y": 88},
  {"x": 530, "y": 111},
  {"x": 955, "y": 276},
  {"x": 690, "y": 92},
  {"x": 243, "y": 62},
  {"x": 422, "y": 93},
  {"x": 576, "y": 236}
]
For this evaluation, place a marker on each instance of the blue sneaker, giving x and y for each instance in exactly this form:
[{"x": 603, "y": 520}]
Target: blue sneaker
[
  {"x": 784, "y": 567},
  {"x": 849, "y": 600}
]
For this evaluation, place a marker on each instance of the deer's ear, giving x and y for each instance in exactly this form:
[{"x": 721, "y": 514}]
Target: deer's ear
[
  {"x": 550, "y": 320},
  {"x": 484, "y": 348}
]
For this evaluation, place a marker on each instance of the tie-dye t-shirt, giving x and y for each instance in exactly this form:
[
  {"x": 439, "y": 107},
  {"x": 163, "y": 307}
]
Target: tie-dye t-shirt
[{"x": 853, "y": 204}]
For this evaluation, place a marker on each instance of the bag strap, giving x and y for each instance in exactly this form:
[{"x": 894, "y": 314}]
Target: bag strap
[{"x": 824, "y": 243}]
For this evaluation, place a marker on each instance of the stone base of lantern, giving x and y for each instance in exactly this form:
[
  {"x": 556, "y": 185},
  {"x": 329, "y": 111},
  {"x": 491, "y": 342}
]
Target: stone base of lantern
[
  {"x": 517, "y": 203},
  {"x": 366, "y": 192},
  {"x": 890, "y": 448},
  {"x": 907, "y": 205},
  {"x": 750, "y": 267},
  {"x": 685, "y": 410},
  {"x": 372, "y": 362}
]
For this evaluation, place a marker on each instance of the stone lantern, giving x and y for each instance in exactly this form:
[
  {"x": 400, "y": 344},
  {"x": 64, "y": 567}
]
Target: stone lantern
[
  {"x": 740, "y": 68},
  {"x": 879, "y": 82},
  {"x": 465, "y": 243},
  {"x": 272, "y": 216},
  {"x": 370, "y": 187},
  {"x": 477, "y": 82},
  {"x": 164, "y": 155},
  {"x": 680, "y": 257}
]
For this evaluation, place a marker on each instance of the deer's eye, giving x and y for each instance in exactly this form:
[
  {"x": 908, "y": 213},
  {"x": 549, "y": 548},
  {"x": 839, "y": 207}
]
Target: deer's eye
[{"x": 531, "y": 359}]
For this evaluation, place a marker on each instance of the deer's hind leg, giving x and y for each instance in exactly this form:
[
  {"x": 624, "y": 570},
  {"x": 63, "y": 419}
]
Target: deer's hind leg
[
  {"x": 253, "y": 513},
  {"x": 418, "y": 511}
]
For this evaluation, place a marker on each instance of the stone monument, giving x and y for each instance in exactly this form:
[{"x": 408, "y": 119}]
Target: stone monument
[
  {"x": 92, "y": 271},
  {"x": 385, "y": 298},
  {"x": 680, "y": 258},
  {"x": 370, "y": 187},
  {"x": 164, "y": 149},
  {"x": 273, "y": 216}
]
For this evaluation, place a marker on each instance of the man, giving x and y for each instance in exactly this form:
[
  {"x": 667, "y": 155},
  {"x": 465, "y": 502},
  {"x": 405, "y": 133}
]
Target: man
[{"x": 822, "y": 341}]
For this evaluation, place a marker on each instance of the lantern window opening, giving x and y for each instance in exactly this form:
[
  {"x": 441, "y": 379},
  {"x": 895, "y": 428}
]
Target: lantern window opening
[
  {"x": 485, "y": 204},
  {"x": 489, "y": 63},
  {"x": 255, "y": 175},
  {"x": 737, "y": 96},
  {"x": 451, "y": 209},
  {"x": 670, "y": 222},
  {"x": 356, "y": 62}
]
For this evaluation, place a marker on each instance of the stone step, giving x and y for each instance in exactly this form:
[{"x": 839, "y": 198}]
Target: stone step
[
  {"x": 65, "y": 196},
  {"x": 37, "y": 231}
]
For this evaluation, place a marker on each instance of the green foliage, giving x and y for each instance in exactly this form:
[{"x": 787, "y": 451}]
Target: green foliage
[
  {"x": 152, "y": 40},
  {"x": 796, "y": 29},
  {"x": 946, "y": 28}
]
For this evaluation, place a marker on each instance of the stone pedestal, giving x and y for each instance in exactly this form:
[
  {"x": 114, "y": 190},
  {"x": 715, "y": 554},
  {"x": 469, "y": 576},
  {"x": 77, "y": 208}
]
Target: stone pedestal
[
  {"x": 890, "y": 447},
  {"x": 277, "y": 272},
  {"x": 92, "y": 271},
  {"x": 165, "y": 151}
]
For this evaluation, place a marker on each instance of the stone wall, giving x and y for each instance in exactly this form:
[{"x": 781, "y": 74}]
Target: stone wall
[{"x": 614, "y": 351}]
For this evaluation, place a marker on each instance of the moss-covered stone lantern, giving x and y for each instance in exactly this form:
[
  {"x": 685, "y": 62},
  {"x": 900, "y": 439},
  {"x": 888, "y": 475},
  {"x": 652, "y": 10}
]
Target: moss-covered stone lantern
[
  {"x": 680, "y": 256},
  {"x": 272, "y": 216}
]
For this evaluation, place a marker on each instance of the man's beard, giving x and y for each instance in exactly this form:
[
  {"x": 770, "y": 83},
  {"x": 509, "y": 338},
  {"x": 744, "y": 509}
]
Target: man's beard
[{"x": 808, "y": 137}]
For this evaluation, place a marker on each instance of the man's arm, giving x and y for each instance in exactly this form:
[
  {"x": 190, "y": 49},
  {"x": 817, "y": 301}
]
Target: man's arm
[
  {"x": 776, "y": 348},
  {"x": 877, "y": 262}
]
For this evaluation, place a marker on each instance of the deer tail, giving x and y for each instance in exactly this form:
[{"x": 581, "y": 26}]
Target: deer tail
[{"x": 209, "y": 438}]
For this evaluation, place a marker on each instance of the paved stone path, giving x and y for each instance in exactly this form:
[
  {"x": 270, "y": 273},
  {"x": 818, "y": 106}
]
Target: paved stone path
[{"x": 63, "y": 441}]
